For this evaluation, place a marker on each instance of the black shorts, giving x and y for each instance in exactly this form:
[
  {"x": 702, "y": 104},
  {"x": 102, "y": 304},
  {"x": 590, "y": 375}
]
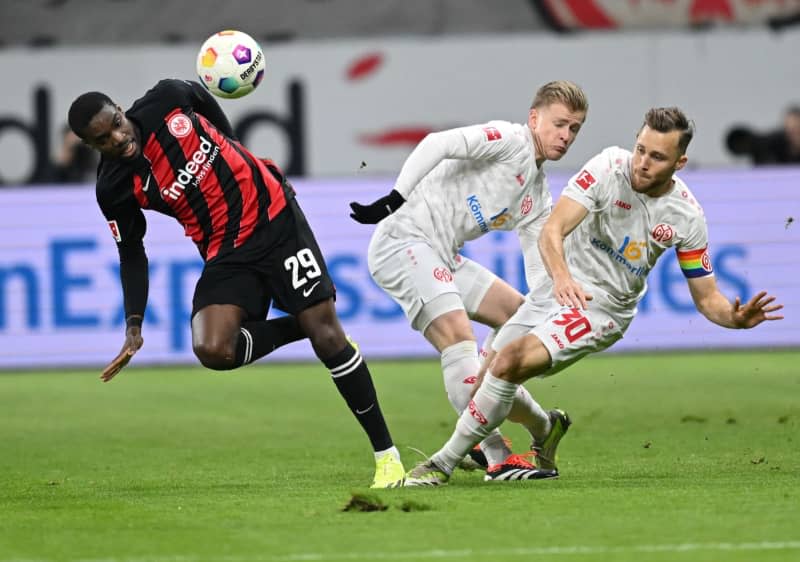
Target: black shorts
[{"x": 281, "y": 264}]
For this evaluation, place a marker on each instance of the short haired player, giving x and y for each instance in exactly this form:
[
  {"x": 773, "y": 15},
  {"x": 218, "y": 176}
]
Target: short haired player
[{"x": 174, "y": 152}]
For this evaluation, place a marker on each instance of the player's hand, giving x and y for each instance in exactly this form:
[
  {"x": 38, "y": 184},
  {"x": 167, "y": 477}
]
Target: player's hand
[
  {"x": 568, "y": 292},
  {"x": 377, "y": 210},
  {"x": 133, "y": 342},
  {"x": 756, "y": 311}
]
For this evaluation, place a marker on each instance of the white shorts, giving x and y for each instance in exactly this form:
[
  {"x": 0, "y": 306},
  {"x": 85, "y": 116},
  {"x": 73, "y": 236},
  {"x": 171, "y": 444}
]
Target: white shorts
[
  {"x": 569, "y": 334},
  {"x": 422, "y": 283}
]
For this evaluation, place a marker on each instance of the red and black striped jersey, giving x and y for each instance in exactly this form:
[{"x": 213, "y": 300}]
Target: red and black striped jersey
[{"x": 191, "y": 168}]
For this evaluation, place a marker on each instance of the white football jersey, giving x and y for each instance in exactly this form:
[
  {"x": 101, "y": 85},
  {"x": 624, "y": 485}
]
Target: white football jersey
[
  {"x": 462, "y": 183},
  {"x": 614, "y": 248}
]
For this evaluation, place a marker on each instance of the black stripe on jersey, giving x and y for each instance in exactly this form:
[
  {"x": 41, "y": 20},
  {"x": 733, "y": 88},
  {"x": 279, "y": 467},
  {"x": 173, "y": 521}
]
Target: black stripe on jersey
[
  {"x": 261, "y": 186},
  {"x": 233, "y": 196},
  {"x": 194, "y": 197}
]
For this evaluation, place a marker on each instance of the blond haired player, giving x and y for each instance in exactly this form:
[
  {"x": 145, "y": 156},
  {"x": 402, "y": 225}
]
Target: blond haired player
[
  {"x": 615, "y": 218},
  {"x": 456, "y": 186}
]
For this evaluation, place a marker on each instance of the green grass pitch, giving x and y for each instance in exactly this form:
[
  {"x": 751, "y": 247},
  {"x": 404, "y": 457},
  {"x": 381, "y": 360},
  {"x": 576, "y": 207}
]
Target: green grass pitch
[{"x": 672, "y": 457}]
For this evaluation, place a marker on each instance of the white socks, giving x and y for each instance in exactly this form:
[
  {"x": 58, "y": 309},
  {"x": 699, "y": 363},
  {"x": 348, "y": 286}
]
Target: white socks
[
  {"x": 460, "y": 365},
  {"x": 392, "y": 450},
  {"x": 484, "y": 413},
  {"x": 527, "y": 412}
]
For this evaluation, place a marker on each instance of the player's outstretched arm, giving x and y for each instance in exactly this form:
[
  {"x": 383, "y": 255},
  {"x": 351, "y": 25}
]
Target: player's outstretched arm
[
  {"x": 425, "y": 157},
  {"x": 718, "y": 309},
  {"x": 567, "y": 215},
  {"x": 133, "y": 342}
]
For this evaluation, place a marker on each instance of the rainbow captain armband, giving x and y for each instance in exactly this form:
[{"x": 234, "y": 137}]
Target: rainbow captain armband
[{"x": 695, "y": 263}]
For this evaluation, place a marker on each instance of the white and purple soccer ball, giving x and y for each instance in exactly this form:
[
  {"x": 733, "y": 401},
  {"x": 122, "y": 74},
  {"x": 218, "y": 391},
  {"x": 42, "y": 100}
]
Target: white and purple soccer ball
[{"x": 230, "y": 64}]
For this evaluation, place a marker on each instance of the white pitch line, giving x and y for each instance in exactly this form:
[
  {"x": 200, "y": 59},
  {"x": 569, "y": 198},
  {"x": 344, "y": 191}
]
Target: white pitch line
[
  {"x": 441, "y": 553},
  {"x": 535, "y": 551}
]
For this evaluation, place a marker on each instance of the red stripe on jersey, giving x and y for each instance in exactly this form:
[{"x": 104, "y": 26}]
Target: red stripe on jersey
[
  {"x": 138, "y": 192},
  {"x": 208, "y": 185},
  {"x": 165, "y": 178},
  {"x": 243, "y": 174}
]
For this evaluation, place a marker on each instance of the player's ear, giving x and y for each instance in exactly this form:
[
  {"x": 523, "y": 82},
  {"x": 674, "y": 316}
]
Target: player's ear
[
  {"x": 533, "y": 117},
  {"x": 681, "y": 162}
]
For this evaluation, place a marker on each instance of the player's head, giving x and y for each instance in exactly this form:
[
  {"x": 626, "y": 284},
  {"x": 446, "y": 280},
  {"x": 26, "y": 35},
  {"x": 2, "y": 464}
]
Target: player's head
[
  {"x": 102, "y": 125},
  {"x": 660, "y": 149},
  {"x": 555, "y": 118}
]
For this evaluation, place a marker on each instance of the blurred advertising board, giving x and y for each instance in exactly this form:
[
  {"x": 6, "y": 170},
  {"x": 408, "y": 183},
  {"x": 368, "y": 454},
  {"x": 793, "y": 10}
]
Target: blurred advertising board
[
  {"x": 60, "y": 300},
  {"x": 324, "y": 107}
]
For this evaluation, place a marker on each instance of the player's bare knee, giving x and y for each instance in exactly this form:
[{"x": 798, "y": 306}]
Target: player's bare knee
[
  {"x": 217, "y": 356},
  {"x": 504, "y": 364},
  {"x": 509, "y": 363}
]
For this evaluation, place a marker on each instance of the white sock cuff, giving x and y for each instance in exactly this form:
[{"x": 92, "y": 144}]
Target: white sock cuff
[
  {"x": 248, "y": 346},
  {"x": 499, "y": 389},
  {"x": 392, "y": 450},
  {"x": 459, "y": 351}
]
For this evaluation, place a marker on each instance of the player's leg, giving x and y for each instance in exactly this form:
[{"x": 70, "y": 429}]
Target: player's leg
[
  {"x": 543, "y": 426},
  {"x": 493, "y": 302},
  {"x": 228, "y": 329},
  {"x": 560, "y": 337},
  {"x": 522, "y": 355},
  {"x": 487, "y": 410},
  {"x": 421, "y": 282},
  {"x": 302, "y": 286},
  {"x": 353, "y": 380},
  {"x": 571, "y": 334},
  {"x": 222, "y": 340},
  {"x": 524, "y": 410},
  {"x": 451, "y": 335},
  {"x": 215, "y": 328}
]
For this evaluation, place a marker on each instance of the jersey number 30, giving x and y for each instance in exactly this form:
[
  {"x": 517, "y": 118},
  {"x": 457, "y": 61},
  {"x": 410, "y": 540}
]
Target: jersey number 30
[
  {"x": 576, "y": 325},
  {"x": 303, "y": 266}
]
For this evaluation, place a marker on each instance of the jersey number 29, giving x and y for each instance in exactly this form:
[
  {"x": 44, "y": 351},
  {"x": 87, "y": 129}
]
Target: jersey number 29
[{"x": 303, "y": 266}]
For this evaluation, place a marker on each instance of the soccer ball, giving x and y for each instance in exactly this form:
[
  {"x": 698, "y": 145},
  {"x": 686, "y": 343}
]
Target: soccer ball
[{"x": 230, "y": 64}]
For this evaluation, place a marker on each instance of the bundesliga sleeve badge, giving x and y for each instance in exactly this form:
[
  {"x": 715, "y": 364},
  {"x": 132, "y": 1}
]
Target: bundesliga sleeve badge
[
  {"x": 585, "y": 179},
  {"x": 492, "y": 133}
]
